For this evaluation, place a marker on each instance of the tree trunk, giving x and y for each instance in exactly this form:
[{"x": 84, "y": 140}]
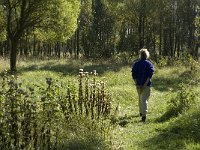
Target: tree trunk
[
  {"x": 1, "y": 49},
  {"x": 140, "y": 32},
  {"x": 71, "y": 46},
  {"x": 75, "y": 45},
  {"x": 160, "y": 35},
  {"x": 78, "y": 43},
  {"x": 34, "y": 45},
  {"x": 26, "y": 45},
  {"x": 142, "y": 18},
  {"x": 13, "y": 55}
]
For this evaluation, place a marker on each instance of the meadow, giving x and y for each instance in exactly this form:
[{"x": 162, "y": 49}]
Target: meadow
[{"x": 173, "y": 119}]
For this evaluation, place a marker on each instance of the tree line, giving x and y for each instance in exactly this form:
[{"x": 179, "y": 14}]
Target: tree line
[{"x": 98, "y": 28}]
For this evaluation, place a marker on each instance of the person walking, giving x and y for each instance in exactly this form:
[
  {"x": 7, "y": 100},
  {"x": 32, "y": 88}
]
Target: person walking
[{"x": 142, "y": 72}]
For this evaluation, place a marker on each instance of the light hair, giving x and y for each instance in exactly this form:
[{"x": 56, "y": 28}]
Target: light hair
[{"x": 144, "y": 53}]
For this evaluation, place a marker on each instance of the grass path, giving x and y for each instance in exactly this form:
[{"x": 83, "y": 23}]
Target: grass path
[
  {"x": 130, "y": 134},
  {"x": 134, "y": 134}
]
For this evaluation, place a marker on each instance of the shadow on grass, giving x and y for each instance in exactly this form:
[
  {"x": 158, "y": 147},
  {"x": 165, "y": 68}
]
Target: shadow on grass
[
  {"x": 88, "y": 143},
  {"x": 181, "y": 132},
  {"x": 124, "y": 120},
  {"x": 169, "y": 83},
  {"x": 71, "y": 68},
  {"x": 166, "y": 116}
]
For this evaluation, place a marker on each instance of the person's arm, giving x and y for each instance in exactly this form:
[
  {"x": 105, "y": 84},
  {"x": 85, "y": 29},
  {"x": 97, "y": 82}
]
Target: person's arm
[
  {"x": 147, "y": 81},
  {"x": 134, "y": 72},
  {"x": 135, "y": 81},
  {"x": 145, "y": 84},
  {"x": 150, "y": 72}
]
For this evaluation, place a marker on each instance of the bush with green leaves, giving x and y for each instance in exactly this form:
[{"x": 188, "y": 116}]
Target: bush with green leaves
[
  {"x": 190, "y": 63},
  {"x": 124, "y": 57},
  {"x": 162, "y": 61},
  {"x": 45, "y": 117},
  {"x": 182, "y": 102}
]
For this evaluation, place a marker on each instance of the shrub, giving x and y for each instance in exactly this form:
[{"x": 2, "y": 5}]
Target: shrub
[
  {"x": 182, "y": 102},
  {"x": 40, "y": 117},
  {"x": 124, "y": 57},
  {"x": 163, "y": 61}
]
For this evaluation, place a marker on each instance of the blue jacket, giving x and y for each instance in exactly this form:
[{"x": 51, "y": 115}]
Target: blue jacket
[{"x": 141, "y": 70}]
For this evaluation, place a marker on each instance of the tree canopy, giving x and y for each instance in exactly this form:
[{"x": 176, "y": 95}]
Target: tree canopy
[
  {"x": 99, "y": 28},
  {"x": 50, "y": 20}
]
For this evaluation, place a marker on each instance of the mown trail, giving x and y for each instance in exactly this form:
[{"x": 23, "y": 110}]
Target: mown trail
[
  {"x": 130, "y": 134},
  {"x": 133, "y": 134}
]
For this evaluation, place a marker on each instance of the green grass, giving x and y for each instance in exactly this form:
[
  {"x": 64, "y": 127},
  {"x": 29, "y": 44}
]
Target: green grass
[
  {"x": 175, "y": 133},
  {"x": 180, "y": 132}
]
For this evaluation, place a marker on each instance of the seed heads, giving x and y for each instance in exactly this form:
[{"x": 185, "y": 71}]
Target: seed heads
[{"x": 30, "y": 118}]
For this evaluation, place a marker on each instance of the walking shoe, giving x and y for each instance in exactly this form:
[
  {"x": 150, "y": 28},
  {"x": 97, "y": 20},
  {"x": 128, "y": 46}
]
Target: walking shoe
[{"x": 143, "y": 118}]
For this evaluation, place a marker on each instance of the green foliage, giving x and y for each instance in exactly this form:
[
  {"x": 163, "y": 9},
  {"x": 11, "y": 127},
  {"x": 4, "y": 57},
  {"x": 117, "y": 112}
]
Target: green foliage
[
  {"x": 105, "y": 23},
  {"x": 52, "y": 20},
  {"x": 42, "y": 117},
  {"x": 192, "y": 64},
  {"x": 84, "y": 134},
  {"x": 197, "y": 25},
  {"x": 180, "y": 132},
  {"x": 182, "y": 102},
  {"x": 163, "y": 61},
  {"x": 61, "y": 21},
  {"x": 186, "y": 60},
  {"x": 123, "y": 57},
  {"x": 2, "y": 24}
]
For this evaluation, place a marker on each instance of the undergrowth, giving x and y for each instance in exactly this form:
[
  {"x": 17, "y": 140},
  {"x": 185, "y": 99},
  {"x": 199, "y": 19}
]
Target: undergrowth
[
  {"x": 182, "y": 102},
  {"x": 52, "y": 116},
  {"x": 176, "y": 85}
]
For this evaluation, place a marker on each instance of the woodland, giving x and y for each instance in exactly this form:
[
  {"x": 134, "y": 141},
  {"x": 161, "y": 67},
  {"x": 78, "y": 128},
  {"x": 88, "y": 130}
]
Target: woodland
[
  {"x": 98, "y": 29},
  {"x": 65, "y": 74}
]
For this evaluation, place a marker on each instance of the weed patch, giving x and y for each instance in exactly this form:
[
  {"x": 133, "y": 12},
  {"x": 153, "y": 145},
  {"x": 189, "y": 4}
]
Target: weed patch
[
  {"x": 178, "y": 134},
  {"x": 45, "y": 117},
  {"x": 180, "y": 103}
]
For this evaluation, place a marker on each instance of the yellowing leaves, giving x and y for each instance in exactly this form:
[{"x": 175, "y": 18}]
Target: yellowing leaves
[{"x": 61, "y": 21}]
